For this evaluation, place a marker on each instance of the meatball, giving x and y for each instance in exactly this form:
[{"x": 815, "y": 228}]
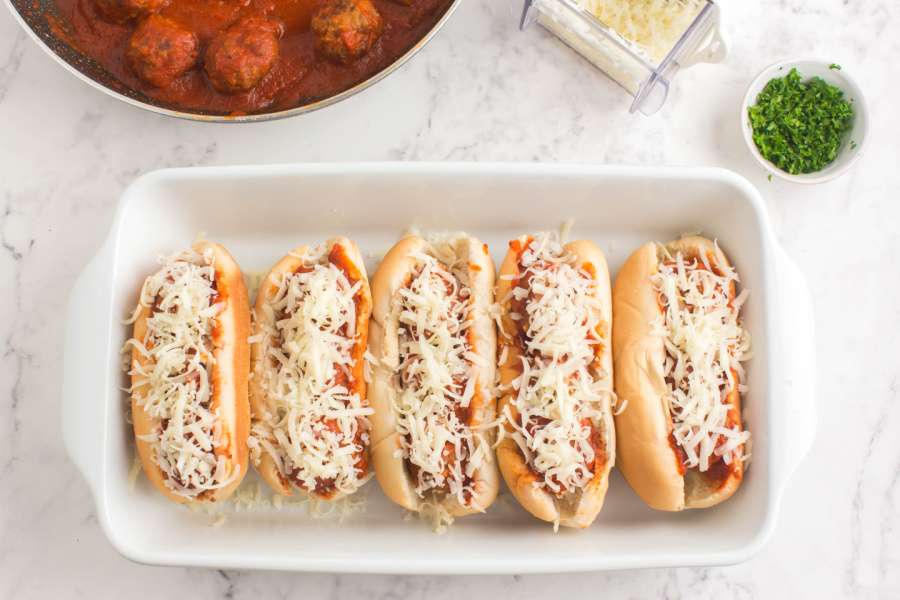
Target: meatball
[
  {"x": 346, "y": 29},
  {"x": 122, "y": 11},
  {"x": 161, "y": 50},
  {"x": 238, "y": 58}
]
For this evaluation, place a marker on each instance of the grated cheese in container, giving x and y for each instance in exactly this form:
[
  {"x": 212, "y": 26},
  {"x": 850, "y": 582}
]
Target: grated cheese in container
[{"x": 639, "y": 44}]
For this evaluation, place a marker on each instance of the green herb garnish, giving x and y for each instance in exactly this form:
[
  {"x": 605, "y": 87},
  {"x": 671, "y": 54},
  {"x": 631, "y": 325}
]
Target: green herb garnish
[
  {"x": 834, "y": 67},
  {"x": 770, "y": 177},
  {"x": 799, "y": 125}
]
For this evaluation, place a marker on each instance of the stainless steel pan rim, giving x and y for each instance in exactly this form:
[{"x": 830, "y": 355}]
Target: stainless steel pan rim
[{"x": 259, "y": 117}]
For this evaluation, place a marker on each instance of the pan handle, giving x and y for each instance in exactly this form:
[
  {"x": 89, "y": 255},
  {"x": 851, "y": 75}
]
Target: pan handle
[
  {"x": 85, "y": 367},
  {"x": 796, "y": 369}
]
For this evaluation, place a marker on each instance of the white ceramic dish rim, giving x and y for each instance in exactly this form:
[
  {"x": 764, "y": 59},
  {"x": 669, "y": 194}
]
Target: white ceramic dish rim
[
  {"x": 74, "y": 419},
  {"x": 849, "y": 86}
]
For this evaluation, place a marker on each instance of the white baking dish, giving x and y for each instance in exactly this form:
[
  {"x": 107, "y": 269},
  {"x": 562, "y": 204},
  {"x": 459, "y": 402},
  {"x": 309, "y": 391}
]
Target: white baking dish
[{"x": 261, "y": 212}]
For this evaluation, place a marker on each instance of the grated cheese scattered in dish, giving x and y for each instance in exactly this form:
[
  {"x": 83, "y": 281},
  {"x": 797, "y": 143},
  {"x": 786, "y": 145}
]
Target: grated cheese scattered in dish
[{"x": 133, "y": 472}]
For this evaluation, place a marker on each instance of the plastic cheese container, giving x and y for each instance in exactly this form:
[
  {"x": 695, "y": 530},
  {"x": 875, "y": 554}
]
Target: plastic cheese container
[{"x": 644, "y": 74}]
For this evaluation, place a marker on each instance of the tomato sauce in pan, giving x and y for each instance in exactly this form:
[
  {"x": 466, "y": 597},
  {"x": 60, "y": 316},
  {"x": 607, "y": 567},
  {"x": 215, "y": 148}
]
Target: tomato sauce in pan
[{"x": 300, "y": 75}]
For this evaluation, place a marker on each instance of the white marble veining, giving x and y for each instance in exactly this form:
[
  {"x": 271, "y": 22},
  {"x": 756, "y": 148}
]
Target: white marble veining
[{"x": 480, "y": 91}]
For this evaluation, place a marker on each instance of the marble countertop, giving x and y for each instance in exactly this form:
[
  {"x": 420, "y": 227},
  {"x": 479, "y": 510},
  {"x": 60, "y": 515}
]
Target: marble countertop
[{"x": 480, "y": 91}]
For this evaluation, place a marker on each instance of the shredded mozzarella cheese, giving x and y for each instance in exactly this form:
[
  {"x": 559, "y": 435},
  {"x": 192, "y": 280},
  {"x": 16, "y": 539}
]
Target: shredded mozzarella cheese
[
  {"x": 653, "y": 25},
  {"x": 174, "y": 386},
  {"x": 705, "y": 344},
  {"x": 437, "y": 380},
  {"x": 316, "y": 427},
  {"x": 561, "y": 396}
]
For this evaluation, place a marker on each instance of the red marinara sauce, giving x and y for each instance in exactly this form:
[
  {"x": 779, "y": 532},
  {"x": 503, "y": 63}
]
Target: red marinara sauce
[{"x": 301, "y": 73}]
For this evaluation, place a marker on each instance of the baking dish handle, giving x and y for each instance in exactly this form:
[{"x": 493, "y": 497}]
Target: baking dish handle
[
  {"x": 84, "y": 367},
  {"x": 796, "y": 338}
]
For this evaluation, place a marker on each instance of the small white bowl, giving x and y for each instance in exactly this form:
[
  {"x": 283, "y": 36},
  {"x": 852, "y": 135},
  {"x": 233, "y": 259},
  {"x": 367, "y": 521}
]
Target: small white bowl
[{"x": 811, "y": 67}]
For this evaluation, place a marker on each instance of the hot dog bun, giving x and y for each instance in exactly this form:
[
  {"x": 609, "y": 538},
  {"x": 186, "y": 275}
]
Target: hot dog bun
[
  {"x": 578, "y": 507},
  {"x": 469, "y": 263},
  {"x": 647, "y": 457},
  {"x": 344, "y": 268},
  {"x": 227, "y": 374}
]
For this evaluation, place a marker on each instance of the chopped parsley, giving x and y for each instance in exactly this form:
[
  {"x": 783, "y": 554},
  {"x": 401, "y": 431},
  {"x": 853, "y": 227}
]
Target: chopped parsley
[
  {"x": 799, "y": 125},
  {"x": 770, "y": 177},
  {"x": 834, "y": 67}
]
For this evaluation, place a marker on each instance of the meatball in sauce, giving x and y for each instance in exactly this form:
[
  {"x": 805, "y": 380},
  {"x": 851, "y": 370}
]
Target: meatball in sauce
[
  {"x": 160, "y": 50},
  {"x": 346, "y": 29},
  {"x": 238, "y": 58}
]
